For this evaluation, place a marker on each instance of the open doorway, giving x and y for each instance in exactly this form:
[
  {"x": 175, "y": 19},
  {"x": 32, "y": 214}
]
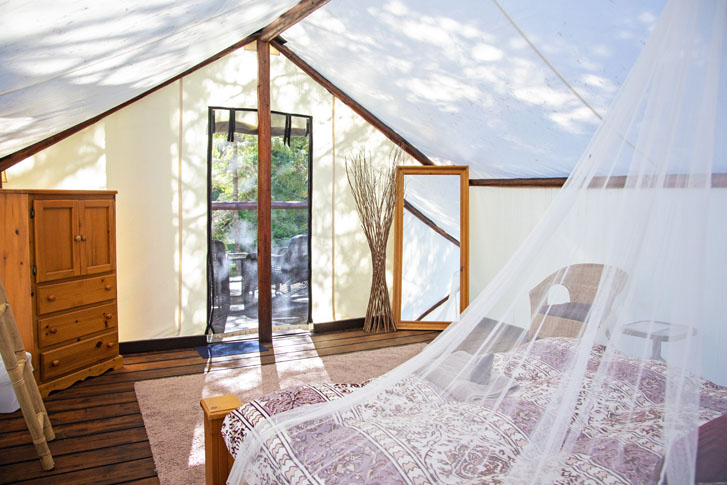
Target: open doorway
[{"x": 232, "y": 271}]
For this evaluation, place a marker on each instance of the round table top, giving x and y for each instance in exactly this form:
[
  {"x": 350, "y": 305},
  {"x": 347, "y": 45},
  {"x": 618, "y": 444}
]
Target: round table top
[{"x": 657, "y": 330}]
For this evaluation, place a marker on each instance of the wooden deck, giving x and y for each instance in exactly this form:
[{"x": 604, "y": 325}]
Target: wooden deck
[{"x": 100, "y": 435}]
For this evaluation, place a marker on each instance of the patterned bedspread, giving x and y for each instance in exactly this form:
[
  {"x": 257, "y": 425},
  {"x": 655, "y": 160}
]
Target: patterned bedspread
[{"x": 414, "y": 438}]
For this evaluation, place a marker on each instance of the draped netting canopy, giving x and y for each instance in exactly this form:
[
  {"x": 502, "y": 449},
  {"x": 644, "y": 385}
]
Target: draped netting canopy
[{"x": 596, "y": 353}]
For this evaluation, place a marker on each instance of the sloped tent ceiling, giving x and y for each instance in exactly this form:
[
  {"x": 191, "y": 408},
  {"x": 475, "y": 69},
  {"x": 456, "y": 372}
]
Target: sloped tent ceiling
[
  {"x": 456, "y": 79},
  {"x": 64, "y": 62}
]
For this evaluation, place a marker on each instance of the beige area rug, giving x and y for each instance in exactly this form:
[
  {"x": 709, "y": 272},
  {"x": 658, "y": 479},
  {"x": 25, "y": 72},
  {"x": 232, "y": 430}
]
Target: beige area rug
[{"x": 173, "y": 417}]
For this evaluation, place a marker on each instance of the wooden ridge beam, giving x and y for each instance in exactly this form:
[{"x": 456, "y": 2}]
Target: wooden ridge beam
[
  {"x": 290, "y": 18},
  {"x": 354, "y": 105}
]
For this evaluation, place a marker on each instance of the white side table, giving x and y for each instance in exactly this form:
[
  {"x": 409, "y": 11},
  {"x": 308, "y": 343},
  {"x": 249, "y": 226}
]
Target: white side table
[{"x": 658, "y": 332}]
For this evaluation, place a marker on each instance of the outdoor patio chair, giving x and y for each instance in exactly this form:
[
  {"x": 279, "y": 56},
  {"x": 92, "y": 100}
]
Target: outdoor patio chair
[
  {"x": 293, "y": 262},
  {"x": 221, "y": 278}
]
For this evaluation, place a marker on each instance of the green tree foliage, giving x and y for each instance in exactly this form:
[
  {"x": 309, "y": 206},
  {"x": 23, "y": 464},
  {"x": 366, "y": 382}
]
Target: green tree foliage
[{"x": 234, "y": 178}]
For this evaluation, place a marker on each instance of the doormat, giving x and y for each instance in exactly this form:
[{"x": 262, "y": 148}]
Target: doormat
[{"x": 229, "y": 348}]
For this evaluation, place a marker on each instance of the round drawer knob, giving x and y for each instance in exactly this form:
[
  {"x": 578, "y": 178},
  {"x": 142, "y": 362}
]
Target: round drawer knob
[
  {"x": 53, "y": 330},
  {"x": 55, "y": 363},
  {"x": 99, "y": 344},
  {"x": 51, "y": 298},
  {"x": 107, "y": 316},
  {"x": 108, "y": 287},
  {"x": 83, "y": 238},
  {"x": 77, "y": 238},
  {"x": 110, "y": 344}
]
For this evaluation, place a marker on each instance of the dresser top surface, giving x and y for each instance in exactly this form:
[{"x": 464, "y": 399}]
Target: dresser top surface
[{"x": 58, "y": 192}]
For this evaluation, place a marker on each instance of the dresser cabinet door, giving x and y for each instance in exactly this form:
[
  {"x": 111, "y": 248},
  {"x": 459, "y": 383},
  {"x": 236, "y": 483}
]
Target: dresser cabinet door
[
  {"x": 74, "y": 238},
  {"x": 98, "y": 236},
  {"x": 57, "y": 240}
]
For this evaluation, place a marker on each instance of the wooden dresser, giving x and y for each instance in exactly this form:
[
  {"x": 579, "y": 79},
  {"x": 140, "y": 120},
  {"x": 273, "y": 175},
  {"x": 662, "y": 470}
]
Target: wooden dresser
[{"x": 58, "y": 265}]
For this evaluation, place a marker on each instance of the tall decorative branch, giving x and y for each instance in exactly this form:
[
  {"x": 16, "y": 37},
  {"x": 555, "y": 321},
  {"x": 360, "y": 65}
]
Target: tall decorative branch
[{"x": 374, "y": 191}]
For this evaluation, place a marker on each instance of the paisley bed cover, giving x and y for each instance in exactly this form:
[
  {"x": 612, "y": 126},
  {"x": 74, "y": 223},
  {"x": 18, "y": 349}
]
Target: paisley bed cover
[{"x": 415, "y": 441}]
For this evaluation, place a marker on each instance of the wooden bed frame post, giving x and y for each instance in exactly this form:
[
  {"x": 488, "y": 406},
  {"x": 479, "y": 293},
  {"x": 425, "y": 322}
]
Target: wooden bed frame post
[{"x": 217, "y": 460}]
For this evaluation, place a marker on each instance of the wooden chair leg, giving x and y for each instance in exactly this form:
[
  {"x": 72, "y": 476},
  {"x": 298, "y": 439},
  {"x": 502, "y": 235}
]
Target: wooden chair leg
[
  {"x": 24, "y": 385},
  {"x": 218, "y": 461}
]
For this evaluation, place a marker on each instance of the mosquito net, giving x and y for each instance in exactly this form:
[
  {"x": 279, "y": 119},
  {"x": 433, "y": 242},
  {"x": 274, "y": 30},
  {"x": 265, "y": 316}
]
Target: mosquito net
[{"x": 606, "y": 380}]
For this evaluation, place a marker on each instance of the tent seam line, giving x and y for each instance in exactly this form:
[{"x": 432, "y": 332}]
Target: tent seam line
[{"x": 552, "y": 68}]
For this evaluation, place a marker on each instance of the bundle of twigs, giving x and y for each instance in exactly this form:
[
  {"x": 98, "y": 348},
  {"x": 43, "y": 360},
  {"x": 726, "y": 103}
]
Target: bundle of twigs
[{"x": 374, "y": 191}]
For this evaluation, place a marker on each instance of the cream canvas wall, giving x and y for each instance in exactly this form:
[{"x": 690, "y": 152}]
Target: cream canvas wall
[
  {"x": 154, "y": 153},
  {"x": 500, "y": 220}
]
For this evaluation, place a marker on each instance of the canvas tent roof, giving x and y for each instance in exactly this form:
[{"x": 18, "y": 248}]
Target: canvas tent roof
[
  {"x": 456, "y": 79},
  {"x": 66, "y": 62}
]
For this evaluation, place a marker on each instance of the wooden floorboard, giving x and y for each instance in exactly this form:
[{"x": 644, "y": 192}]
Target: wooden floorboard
[
  {"x": 80, "y": 461},
  {"x": 100, "y": 435},
  {"x": 67, "y": 446},
  {"x": 58, "y": 405},
  {"x": 203, "y": 366},
  {"x": 103, "y": 475},
  {"x": 86, "y": 414},
  {"x": 291, "y": 350}
]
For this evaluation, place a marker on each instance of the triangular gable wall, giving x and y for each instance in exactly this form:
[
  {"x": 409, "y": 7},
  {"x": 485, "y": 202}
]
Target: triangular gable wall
[{"x": 154, "y": 152}]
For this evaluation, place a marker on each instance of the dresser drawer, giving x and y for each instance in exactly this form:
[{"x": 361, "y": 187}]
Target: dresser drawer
[
  {"x": 78, "y": 355},
  {"x": 62, "y": 296},
  {"x": 53, "y": 330}
]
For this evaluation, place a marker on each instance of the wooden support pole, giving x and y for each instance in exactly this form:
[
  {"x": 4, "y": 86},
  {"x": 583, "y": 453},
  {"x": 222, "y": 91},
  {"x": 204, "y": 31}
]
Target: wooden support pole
[
  {"x": 264, "y": 140},
  {"x": 24, "y": 385}
]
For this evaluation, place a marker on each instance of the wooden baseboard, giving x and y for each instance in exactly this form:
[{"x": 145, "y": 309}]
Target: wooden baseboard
[
  {"x": 422, "y": 325},
  {"x": 154, "y": 345},
  {"x": 174, "y": 343},
  {"x": 339, "y": 325}
]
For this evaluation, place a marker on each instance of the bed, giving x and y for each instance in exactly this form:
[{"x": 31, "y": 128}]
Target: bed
[{"x": 406, "y": 445}]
